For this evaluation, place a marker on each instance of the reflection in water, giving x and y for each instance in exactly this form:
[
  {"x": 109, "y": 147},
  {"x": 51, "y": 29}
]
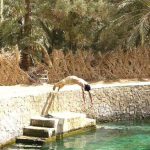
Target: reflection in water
[
  {"x": 75, "y": 143},
  {"x": 68, "y": 143},
  {"x": 118, "y": 136}
]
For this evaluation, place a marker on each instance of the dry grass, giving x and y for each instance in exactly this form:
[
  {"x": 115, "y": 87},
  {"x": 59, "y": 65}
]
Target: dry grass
[
  {"x": 94, "y": 67},
  {"x": 85, "y": 64},
  {"x": 10, "y": 72}
]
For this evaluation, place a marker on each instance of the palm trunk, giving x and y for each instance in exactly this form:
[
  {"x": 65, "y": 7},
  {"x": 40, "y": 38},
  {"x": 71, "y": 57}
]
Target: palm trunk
[
  {"x": 26, "y": 61},
  {"x": 1, "y": 10},
  {"x": 1, "y": 20}
]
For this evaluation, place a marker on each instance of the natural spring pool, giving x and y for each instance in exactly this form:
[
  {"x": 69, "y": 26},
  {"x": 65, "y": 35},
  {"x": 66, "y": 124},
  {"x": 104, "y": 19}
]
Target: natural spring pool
[{"x": 109, "y": 136}]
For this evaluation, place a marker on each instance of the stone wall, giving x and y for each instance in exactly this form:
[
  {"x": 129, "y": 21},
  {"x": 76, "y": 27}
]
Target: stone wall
[
  {"x": 109, "y": 103},
  {"x": 17, "y": 105}
]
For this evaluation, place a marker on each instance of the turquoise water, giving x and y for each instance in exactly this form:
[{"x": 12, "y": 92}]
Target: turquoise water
[{"x": 110, "y": 136}]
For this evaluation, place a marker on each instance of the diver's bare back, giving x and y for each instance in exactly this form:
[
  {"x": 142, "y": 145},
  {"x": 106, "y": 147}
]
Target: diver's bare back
[
  {"x": 70, "y": 80},
  {"x": 73, "y": 80}
]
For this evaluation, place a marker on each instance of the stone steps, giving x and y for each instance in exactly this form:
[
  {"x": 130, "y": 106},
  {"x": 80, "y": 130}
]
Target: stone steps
[
  {"x": 42, "y": 129},
  {"x": 30, "y": 140},
  {"x": 43, "y": 122},
  {"x": 26, "y": 146},
  {"x": 38, "y": 131}
]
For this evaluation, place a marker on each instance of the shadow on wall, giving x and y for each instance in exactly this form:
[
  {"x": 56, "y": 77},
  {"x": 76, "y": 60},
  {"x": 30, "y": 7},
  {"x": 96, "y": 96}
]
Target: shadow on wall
[{"x": 48, "y": 104}]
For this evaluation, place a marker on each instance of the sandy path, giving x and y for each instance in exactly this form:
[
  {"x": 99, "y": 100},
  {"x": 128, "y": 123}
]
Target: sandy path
[{"x": 24, "y": 90}]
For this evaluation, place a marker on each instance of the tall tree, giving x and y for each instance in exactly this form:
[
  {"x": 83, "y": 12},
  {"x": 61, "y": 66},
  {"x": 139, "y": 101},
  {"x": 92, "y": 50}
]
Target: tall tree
[
  {"x": 26, "y": 49},
  {"x": 59, "y": 24},
  {"x": 134, "y": 17},
  {"x": 1, "y": 17}
]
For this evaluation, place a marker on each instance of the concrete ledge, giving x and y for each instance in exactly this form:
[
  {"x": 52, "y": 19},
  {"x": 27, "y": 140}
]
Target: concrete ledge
[
  {"x": 75, "y": 132},
  {"x": 69, "y": 121}
]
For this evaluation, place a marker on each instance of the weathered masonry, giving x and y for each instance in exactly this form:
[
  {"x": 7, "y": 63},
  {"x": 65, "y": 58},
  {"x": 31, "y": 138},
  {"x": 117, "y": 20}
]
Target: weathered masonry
[{"x": 110, "y": 103}]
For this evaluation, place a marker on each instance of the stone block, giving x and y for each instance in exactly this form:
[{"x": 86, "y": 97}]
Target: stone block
[
  {"x": 43, "y": 122},
  {"x": 38, "y": 131}
]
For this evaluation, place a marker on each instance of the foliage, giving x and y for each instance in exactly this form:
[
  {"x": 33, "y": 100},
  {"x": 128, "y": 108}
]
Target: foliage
[
  {"x": 86, "y": 32},
  {"x": 135, "y": 15},
  {"x": 100, "y": 25}
]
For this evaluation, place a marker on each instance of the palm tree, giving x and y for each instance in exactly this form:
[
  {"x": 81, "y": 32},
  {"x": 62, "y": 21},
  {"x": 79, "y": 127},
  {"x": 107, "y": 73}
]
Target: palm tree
[
  {"x": 134, "y": 15},
  {"x": 26, "y": 49}
]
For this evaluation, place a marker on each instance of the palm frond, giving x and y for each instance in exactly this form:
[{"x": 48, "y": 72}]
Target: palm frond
[
  {"x": 126, "y": 3},
  {"x": 144, "y": 27}
]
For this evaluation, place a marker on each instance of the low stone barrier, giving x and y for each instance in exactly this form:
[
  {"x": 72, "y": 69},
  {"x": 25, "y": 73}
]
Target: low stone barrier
[{"x": 111, "y": 103}]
